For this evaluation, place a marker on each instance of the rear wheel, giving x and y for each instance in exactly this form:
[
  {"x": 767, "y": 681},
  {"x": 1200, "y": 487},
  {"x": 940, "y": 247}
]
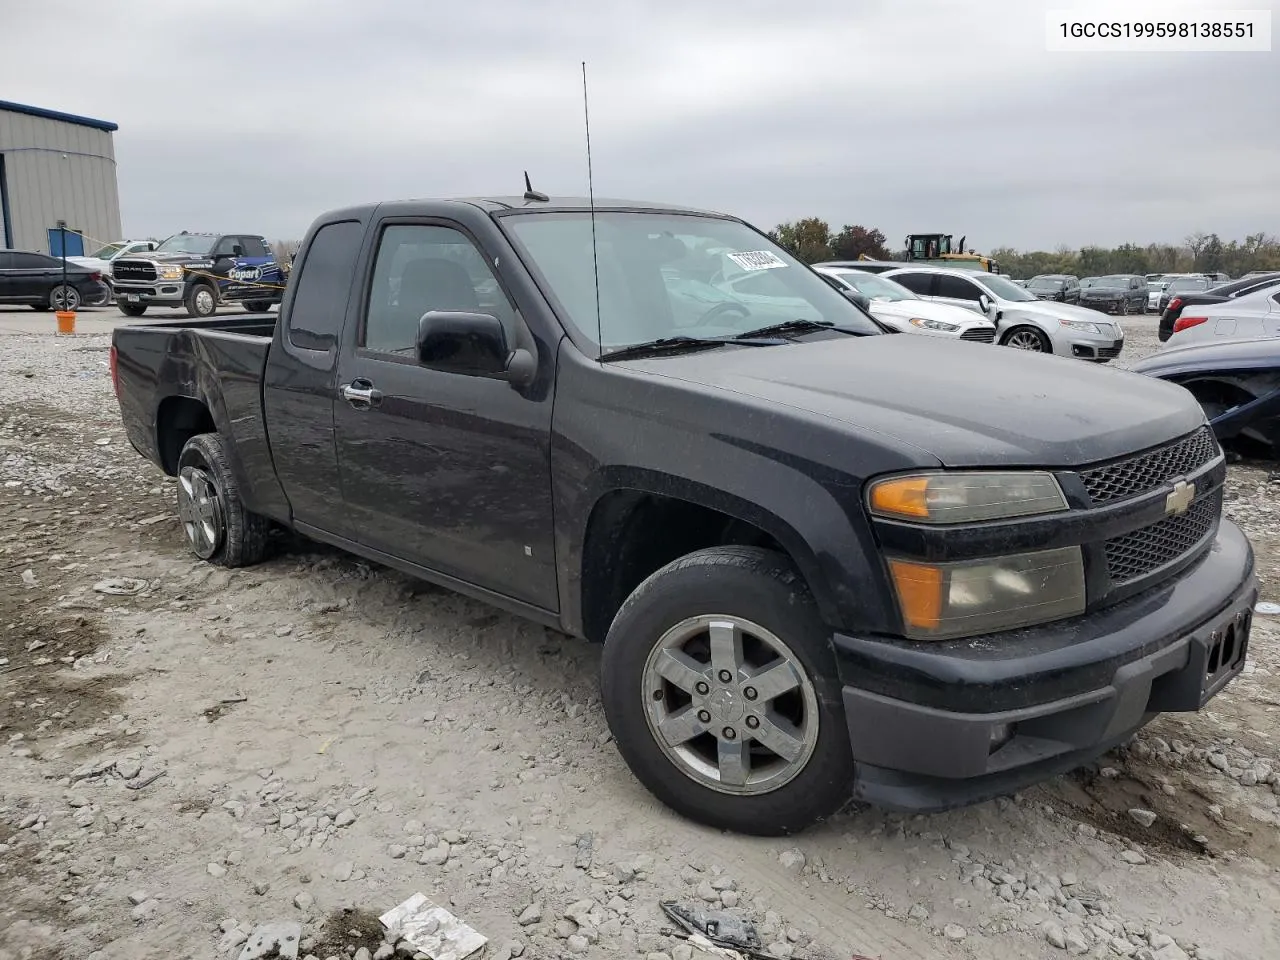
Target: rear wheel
[
  {"x": 218, "y": 527},
  {"x": 721, "y": 692},
  {"x": 64, "y": 297},
  {"x": 257, "y": 306},
  {"x": 1027, "y": 338}
]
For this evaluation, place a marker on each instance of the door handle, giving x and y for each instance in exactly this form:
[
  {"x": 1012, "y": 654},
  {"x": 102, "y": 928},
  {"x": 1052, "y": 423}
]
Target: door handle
[{"x": 361, "y": 394}]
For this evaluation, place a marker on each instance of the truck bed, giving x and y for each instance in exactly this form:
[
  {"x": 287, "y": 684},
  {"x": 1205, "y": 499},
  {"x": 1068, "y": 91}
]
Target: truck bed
[
  {"x": 246, "y": 324},
  {"x": 167, "y": 372}
]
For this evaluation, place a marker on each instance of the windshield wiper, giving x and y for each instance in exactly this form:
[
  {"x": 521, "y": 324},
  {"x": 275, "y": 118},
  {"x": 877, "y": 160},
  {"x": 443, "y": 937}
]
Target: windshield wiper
[
  {"x": 679, "y": 344},
  {"x": 796, "y": 326}
]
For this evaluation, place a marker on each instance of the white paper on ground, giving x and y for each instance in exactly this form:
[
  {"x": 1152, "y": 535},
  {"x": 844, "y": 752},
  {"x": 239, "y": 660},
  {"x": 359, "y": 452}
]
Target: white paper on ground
[{"x": 449, "y": 938}]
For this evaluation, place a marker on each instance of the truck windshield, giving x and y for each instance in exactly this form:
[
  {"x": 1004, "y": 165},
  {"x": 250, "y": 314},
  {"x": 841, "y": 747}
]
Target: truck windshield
[
  {"x": 187, "y": 243},
  {"x": 107, "y": 252},
  {"x": 672, "y": 275}
]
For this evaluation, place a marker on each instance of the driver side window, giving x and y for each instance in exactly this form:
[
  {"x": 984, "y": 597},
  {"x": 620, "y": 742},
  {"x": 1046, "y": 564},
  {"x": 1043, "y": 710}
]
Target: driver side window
[{"x": 421, "y": 268}]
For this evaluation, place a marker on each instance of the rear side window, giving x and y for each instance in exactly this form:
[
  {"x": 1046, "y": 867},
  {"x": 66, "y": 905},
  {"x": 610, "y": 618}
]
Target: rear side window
[
  {"x": 957, "y": 288},
  {"x": 254, "y": 247},
  {"x": 324, "y": 282},
  {"x": 917, "y": 283}
]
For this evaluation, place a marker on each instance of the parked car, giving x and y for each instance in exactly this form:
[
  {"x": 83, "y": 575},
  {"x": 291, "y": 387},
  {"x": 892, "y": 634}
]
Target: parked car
[
  {"x": 197, "y": 271},
  {"x": 102, "y": 258},
  {"x": 1172, "y": 306},
  {"x": 900, "y": 309},
  {"x": 822, "y": 560},
  {"x": 1237, "y": 383},
  {"x": 1248, "y": 316},
  {"x": 866, "y": 266},
  {"x": 36, "y": 279},
  {"x": 1154, "y": 289},
  {"x": 1120, "y": 293},
  {"x": 1022, "y": 320},
  {"x": 1182, "y": 284},
  {"x": 1061, "y": 287}
]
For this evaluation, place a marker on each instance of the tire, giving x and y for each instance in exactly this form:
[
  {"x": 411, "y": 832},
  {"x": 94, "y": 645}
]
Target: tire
[
  {"x": 217, "y": 526},
  {"x": 1027, "y": 338},
  {"x": 64, "y": 297},
  {"x": 201, "y": 301},
  {"x": 1124, "y": 309},
  {"x": 257, "y": 306},
  {"x": 762, "y": 594},
  {"x": 132, "y": 309}
]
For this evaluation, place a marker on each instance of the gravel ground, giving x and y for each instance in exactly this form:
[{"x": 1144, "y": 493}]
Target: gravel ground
[{"x": 188, "y": 752}]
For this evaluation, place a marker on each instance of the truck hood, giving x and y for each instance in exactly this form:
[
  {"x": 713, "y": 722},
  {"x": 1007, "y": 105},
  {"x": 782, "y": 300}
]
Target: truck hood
[
  {"x": 965, "y": 404},
  {"x": 1220, "y": 356},
  {"x": 183, "y": 258}
]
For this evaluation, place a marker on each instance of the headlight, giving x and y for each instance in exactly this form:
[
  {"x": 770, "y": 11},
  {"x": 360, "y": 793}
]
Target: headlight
[
  {"x": 168, "y": 272},
  {"x": 1082, "y": 325},
  {"x": 944, "y": 600},
  {"x": 965, "y": 497},
  {"x": 934, "y": 324}
]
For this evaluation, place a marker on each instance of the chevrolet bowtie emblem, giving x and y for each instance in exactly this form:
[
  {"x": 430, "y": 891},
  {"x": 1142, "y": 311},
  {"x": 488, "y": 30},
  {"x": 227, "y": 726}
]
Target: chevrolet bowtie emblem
[{"x": 1179, "y": 499}]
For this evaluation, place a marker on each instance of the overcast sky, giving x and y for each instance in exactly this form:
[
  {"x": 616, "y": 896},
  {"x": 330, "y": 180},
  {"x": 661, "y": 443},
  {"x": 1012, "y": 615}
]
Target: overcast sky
[{"x": 907, "y": 115}]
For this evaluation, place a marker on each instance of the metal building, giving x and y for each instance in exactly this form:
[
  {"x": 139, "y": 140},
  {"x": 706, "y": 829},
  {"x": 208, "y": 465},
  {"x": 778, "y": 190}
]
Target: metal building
[{"x": 56, "y": 166}]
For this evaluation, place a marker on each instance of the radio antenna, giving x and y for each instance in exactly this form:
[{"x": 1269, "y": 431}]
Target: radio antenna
[{"x": 591, "y": 204}]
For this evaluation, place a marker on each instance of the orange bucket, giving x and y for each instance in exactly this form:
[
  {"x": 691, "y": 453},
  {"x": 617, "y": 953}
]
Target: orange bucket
[{"x": 66, "y": 321}]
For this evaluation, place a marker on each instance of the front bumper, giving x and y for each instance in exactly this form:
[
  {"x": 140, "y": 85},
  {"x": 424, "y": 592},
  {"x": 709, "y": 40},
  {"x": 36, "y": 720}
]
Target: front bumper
[
  {"x": 161, "y": 292},
  {"x": 941, "y": 725}
]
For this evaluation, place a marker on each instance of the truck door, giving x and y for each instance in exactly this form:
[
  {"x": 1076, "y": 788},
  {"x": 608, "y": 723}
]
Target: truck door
[
  {"x": 447, "y": 471},
  {"x": 301, "y": 380}
]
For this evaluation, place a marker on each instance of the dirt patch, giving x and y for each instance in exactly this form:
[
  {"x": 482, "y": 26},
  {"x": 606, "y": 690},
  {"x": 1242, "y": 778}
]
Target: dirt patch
[
  {"x": 346, "y": 931},
  {"x": 1193, "y": 821}
]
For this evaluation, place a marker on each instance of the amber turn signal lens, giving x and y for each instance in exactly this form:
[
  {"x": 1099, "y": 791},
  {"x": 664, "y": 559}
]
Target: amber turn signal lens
[
  {"x": 906, "y": 497},
  {"x": 919, "y": 587}
]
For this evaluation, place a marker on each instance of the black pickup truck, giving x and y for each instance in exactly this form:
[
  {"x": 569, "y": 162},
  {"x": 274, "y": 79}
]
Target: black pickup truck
[{"x": 825, "y": 562}]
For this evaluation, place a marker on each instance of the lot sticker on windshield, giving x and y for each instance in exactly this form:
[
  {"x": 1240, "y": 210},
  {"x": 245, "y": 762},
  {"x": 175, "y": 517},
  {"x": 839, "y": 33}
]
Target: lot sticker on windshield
[{"x": 757, "y": 260}]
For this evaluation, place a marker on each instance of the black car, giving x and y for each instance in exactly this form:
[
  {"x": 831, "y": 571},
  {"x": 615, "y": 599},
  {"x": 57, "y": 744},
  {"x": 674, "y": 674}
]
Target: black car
[
  {"x": 1180, "y": 286},
  {"x": 1121, "y": 293},
  {"x": 1172, "y": 307},
  {"x": 36, "y": 280},
  {"x": 1237, "y": 383},
  {"x": 1061, "y": 287},
  {"x": 811, "y": 583}
]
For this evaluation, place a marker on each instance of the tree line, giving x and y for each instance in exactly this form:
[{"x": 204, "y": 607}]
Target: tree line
[{"x": 812, "y": 240}]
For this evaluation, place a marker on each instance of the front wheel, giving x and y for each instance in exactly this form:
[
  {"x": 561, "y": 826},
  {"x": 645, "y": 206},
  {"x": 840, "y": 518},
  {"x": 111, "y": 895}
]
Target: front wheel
[
  {"x": 132, "y": 309},
  {"x": 218, "y": 527},
  {"x": 720, "y": 689},
  {"x": 201, "y": 301},
  {"x": 1028, "y": 338}
]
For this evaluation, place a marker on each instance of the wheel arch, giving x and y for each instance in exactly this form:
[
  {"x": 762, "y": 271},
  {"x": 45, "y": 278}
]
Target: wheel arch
[{"x": 639, "y": 523}]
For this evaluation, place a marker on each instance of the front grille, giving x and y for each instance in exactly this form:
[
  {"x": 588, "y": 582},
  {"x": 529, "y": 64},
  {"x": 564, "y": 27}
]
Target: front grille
[
  {"x": 1144, "y": 551},
  {"x": 139, "y": 271},
  {"x": 1109, "y": 353},
  {"x": 980, "y": 334},
  {"x": 1138, "y": 475}
]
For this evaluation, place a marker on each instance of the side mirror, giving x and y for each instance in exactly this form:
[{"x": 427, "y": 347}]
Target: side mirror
[
  {"x": 984, "y": 302},
  {"x": 472, "y": 344},
  {"x": 861, "y": 299}
]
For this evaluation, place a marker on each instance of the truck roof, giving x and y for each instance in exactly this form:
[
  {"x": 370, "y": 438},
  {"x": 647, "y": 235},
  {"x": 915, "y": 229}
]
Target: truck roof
[{"x": 564, "y": 204}]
